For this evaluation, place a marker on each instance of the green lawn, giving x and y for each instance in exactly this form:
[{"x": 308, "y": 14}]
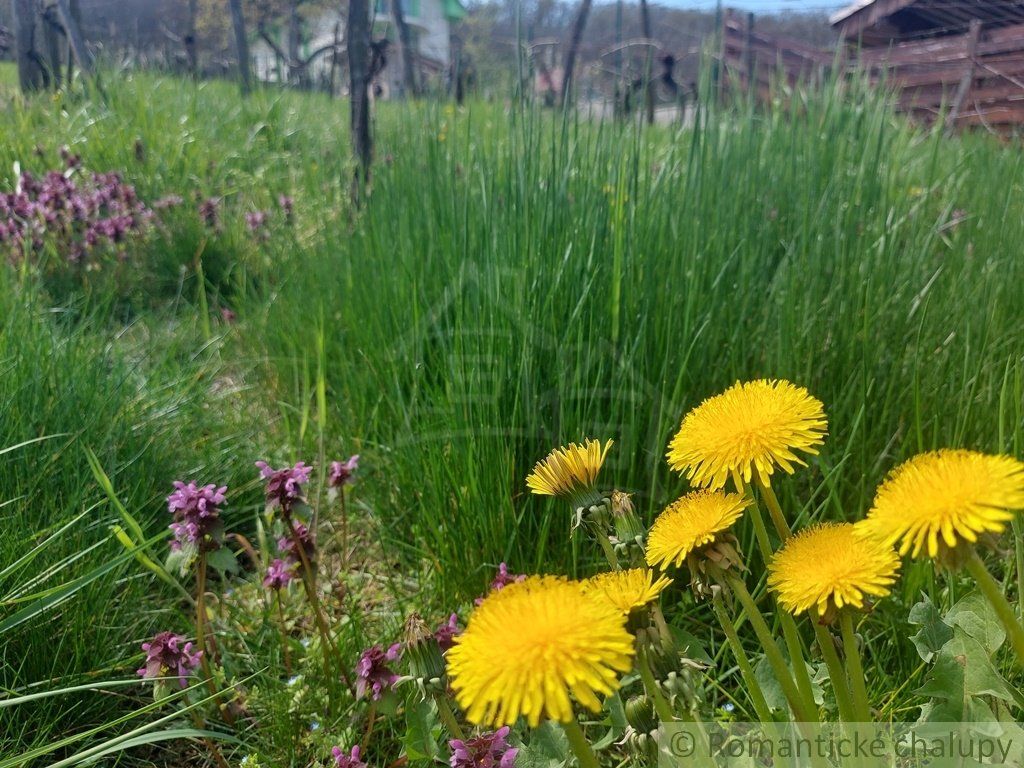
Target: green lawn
[{"x": 515, "y": 282}]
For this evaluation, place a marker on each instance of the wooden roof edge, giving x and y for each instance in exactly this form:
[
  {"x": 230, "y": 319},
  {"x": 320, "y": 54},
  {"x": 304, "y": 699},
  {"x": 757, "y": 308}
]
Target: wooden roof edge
[{"x": 861, "y": 15}]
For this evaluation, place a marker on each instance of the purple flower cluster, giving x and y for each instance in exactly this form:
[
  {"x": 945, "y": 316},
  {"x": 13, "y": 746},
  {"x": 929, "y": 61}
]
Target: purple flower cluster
[
  {"x": 82, "y": 215},
  {"x": 373, "y": 673},
  {"x": 351, "y": 760},
  {"x": 287, "y": 206},
  {"x": 168, "y": 654},
  {"x": 284, "y": 485},
  {"x": 196, "y": 514},
  {"x": 342, "y": 473},
  {"x": 209, "y": 212},
  {"x": 286, "y": 544},
  {"x": 257, "y": 221},
  {"x": 279, "y": 574},
  {"x": 502, "y": 580},
  {"x": 445, "y": 634},
  {"x": 488, "y": 750}
]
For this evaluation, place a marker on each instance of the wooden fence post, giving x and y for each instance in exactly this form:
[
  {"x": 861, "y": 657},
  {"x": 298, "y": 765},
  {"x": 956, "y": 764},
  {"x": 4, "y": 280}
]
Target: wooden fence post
[{"x": 967, "y": 79}]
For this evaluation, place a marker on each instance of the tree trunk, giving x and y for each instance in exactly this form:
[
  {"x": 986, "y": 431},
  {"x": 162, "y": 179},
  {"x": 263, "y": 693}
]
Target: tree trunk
[
  {"x": 408, "y": 54},
  {"x": 30, "y": 73},
  {"x": 241, "y": 47},
  {"x": 334, "y": 57},
  {"x": 645, "y": 30},
  {"x": 358, "y": 28},
  {"x": 51, "y": 36},
  {"x": 579, "y": 23},
  {"x": 78, "y": 47},
  {"x": 295, "y": 77},
  {"x": 191, "y": 42}
]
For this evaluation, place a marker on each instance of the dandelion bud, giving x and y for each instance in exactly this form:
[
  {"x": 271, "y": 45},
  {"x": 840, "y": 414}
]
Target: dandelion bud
[
  {"x": 640, "y": 714},
  {"x": 628, "y": 528},
  {"x": 426, "y": 661}
]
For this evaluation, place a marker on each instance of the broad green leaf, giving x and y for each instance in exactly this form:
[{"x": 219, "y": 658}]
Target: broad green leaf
[
  {"x": 934, "y": 632},
  {"x": 422, "y": 732},
  {"x": 547, "y": 747},
  {"x": 976, "y": 617},
  {"x": 222, "y": 560}
]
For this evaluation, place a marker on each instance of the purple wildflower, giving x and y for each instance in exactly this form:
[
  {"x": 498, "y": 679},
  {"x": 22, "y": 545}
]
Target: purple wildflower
[
  {"x": 342, "y": 472},
  {"x": 228, "y": 315},
  {"x": 341, "y": 760},
  {"x": 256, "y": 221},
  {"x": 287, "y": 206},
  {"x": 489, "y": 750},
  {"x": 168, "y": 654},
  {"x": 502, "y": 580},
  {"x": 445, "y": 634},
  {"x": 373, "y": 673},
  {"x": 286, "y": 544},
  {"x": 279, "y": 574},
  {"x": 284, "y": 485},
  {"x": 82, "y": 215},
  {"x": 209, "y": 212},
  {"x": 196, "y": 514}
]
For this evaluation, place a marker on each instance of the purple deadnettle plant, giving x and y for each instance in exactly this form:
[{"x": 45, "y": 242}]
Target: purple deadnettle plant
[
  {"x": 350, "y": 760},
  {"x": 488, "y": 750},
  {"x": 167, "y": 655},
  {"x": 373, "y": 675}
]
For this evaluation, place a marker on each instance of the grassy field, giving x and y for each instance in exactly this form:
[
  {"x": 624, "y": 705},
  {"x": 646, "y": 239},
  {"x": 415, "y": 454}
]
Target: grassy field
[{"x": 515, "y": 282}]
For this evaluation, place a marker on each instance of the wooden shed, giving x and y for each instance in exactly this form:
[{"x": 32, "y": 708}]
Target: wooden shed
[{"x": 961, "y": 61}]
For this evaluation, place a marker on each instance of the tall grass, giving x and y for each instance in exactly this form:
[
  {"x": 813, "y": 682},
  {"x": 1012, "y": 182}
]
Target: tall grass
[{"x": 72, "y": 606}]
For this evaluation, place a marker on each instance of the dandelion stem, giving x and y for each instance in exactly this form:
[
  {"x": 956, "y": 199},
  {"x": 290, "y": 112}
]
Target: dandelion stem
[
  {"x": 994, "y": 594},
  {"x": 444, "y": 709},
  {"x": 774, "y": 510},
  {"x": 836, "y": 672},
  {"x": 580, "y": 746},
  {"x": 764, "y": 712},
  {"x": 760, "y": 531},
  {"x": 862, "y": 706},
  {"x": 661, "y": 706},
  {"x": 802, "y": 708},
  {"x": 789, "y": 631}
]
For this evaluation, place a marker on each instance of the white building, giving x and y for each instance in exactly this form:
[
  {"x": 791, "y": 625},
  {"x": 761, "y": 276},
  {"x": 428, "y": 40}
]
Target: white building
[{"x": 430, "y": 23}]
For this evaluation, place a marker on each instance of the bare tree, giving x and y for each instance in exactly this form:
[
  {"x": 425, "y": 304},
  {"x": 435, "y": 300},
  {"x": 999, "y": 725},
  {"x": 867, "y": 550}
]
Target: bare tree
[
  {"x": 407, "y": 52},
  {"x": 579, "y": 23},
  {"x": 81, "y": 52},
  {"x": 241, "y": 47},
  {"x": 191, "y": 38},
  {"x": 30, "y": 69},
  {"x": 358, "y": 30},
  {"x": 645, "y": 29}
]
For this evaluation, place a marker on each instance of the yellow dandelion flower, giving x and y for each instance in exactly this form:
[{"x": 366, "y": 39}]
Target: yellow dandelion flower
[
  {"x": 627, "y": 590},
  {"x": 569, "y": 472},
  {"x": 945, "y": 497},
  {"x": 690, "y": 523},
  {"x": 830, "y": 566},
  {"x": 531, "y": 646},
  {"x": 751, "y": 427}
]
